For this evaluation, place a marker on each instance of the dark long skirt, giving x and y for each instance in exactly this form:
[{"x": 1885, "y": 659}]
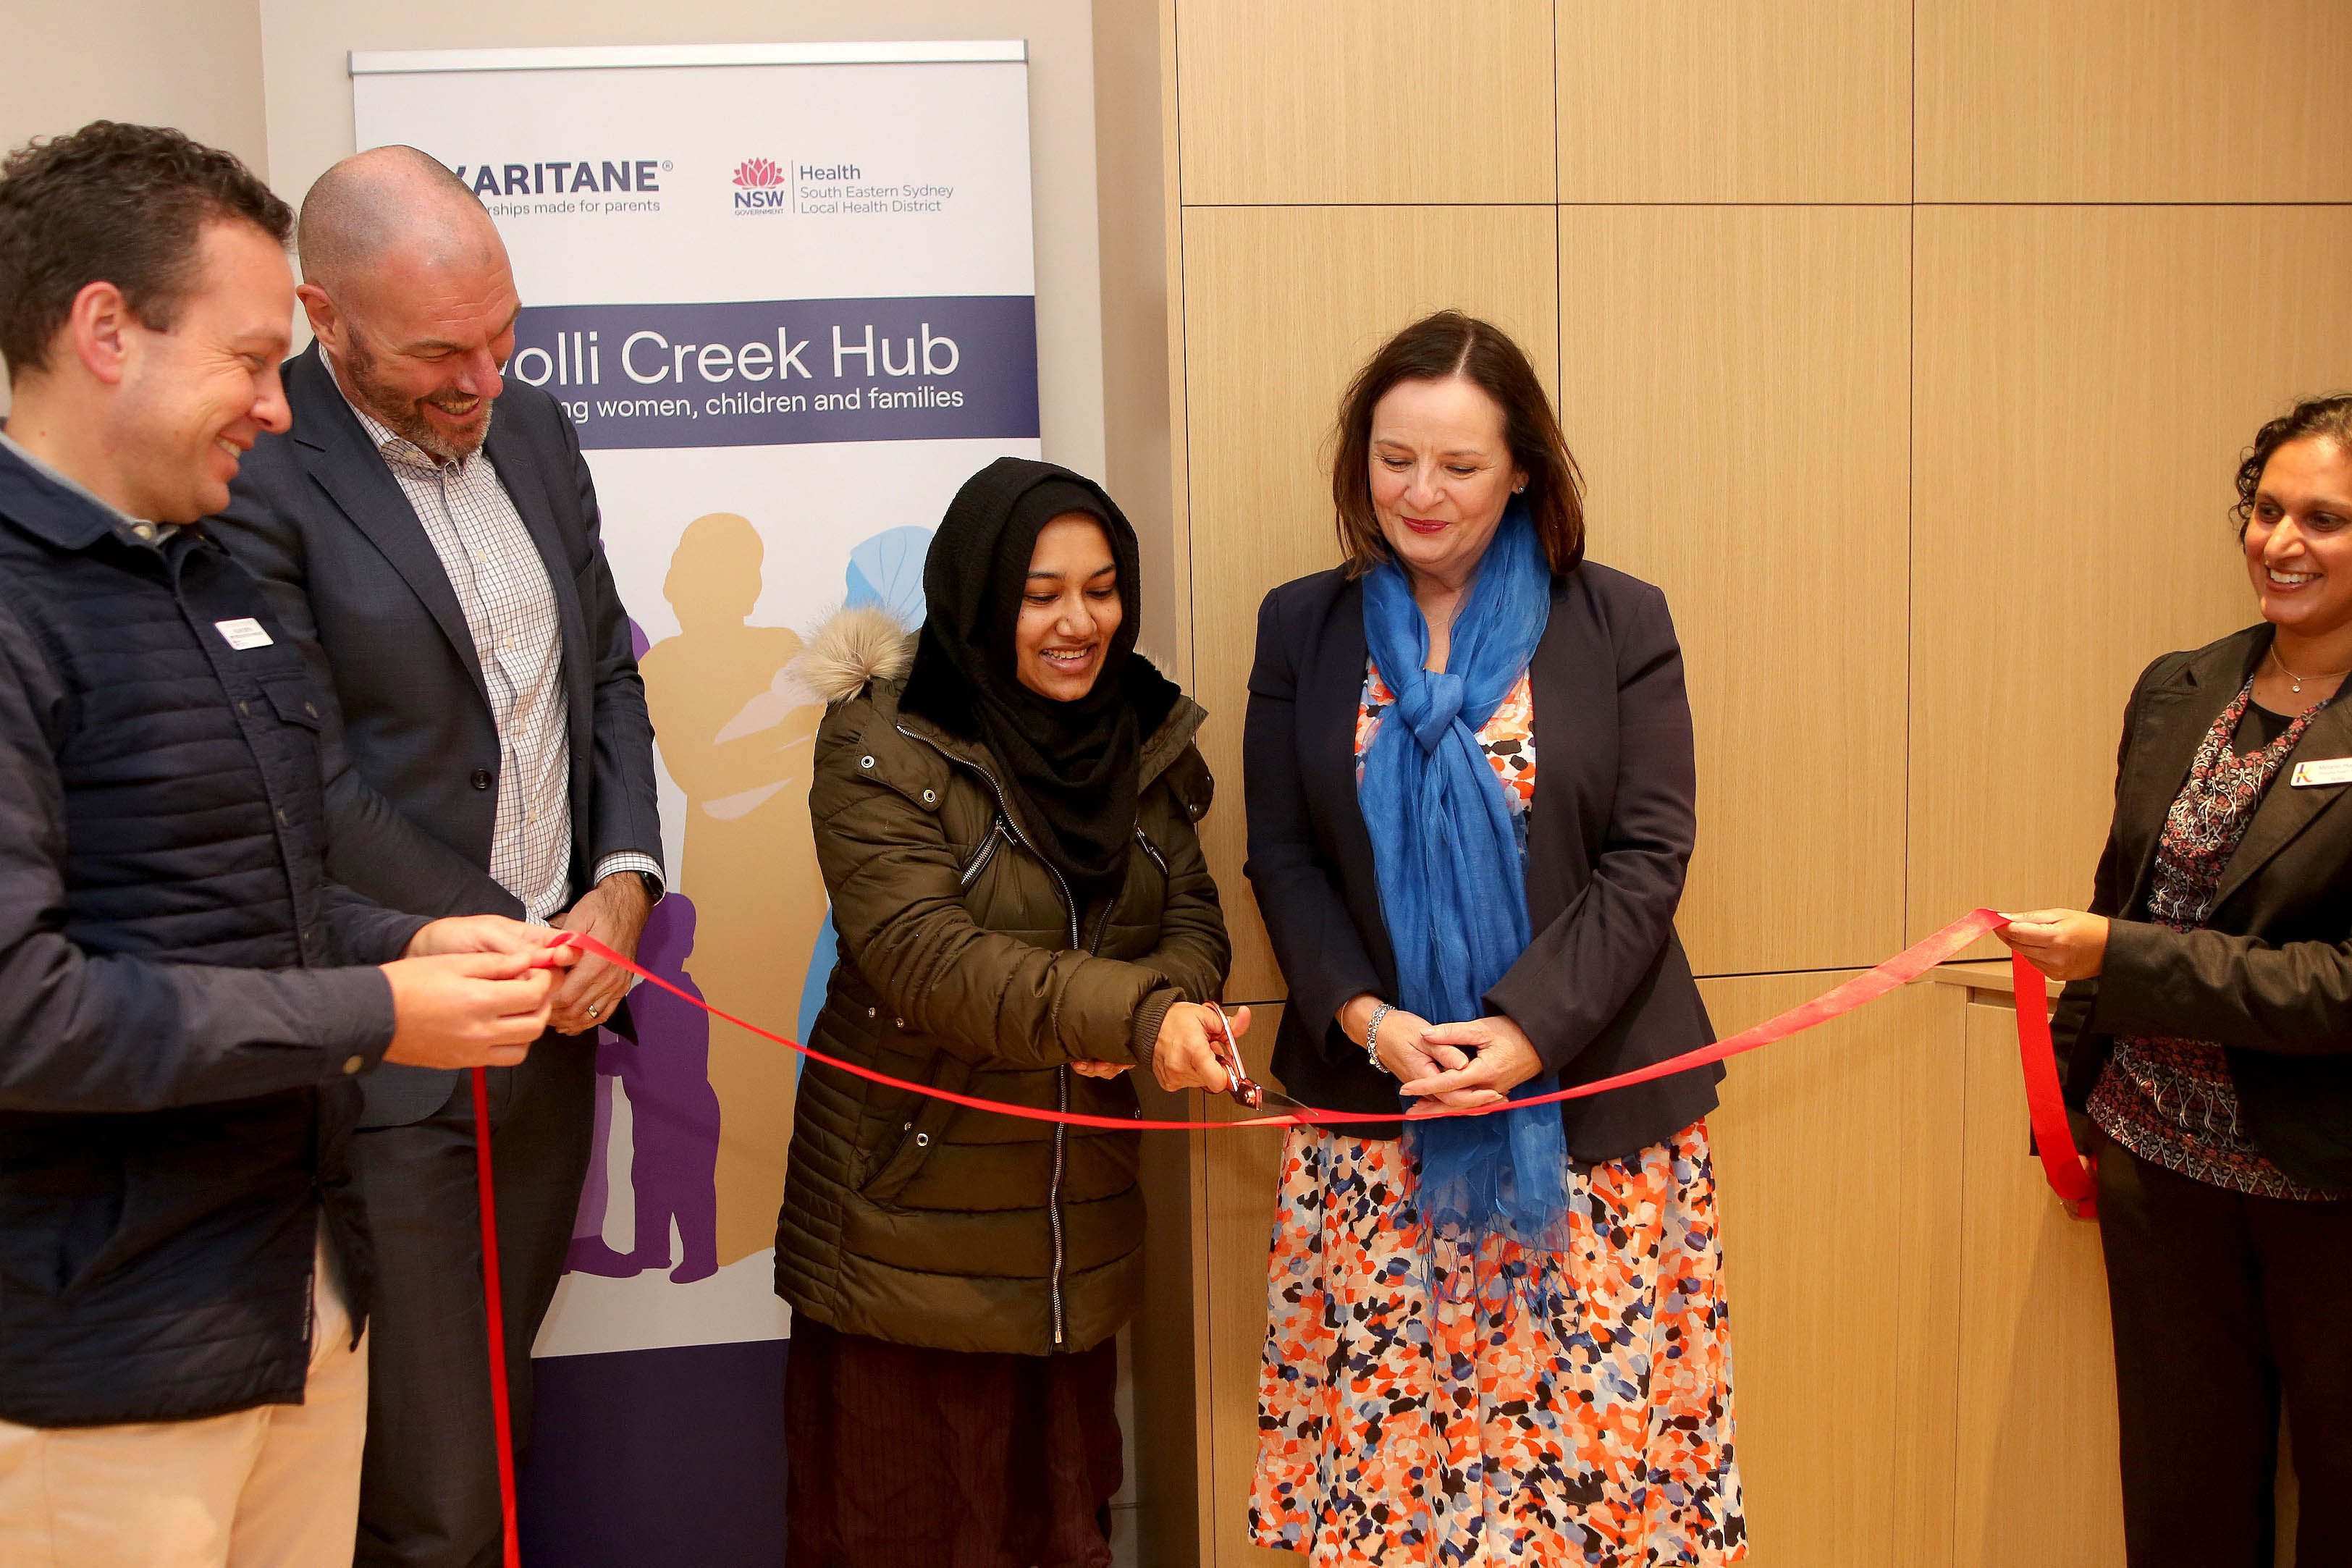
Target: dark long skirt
[{"x": 898, "y": 1457}]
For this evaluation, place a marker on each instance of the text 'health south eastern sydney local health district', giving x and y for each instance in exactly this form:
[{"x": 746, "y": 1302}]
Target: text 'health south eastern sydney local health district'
[
  {"x": 787, "y": 372},
  {"x": 819, "y": 190}
]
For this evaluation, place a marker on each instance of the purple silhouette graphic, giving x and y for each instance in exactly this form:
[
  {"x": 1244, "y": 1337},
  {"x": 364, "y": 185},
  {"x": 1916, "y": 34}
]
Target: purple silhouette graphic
[{"x": 674, "y": 1120}]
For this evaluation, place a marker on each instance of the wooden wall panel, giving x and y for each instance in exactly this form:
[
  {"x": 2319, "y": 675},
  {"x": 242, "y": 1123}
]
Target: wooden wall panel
[
  {"x": 1240, "y": 1171},
  {"x": 2134, "y": 101},
  {"x": 1734, "y": 384},
  {"x": 1376, "y": 101},
  {"x": 2087, "y": 378},
  {"x": 1926, "y": 487},
  {"x": 1842, "y": 1273},
  {"x": 1769, "y": 100},
  {"x": 2035, "y": 1480},
  {"x": 1281, "y": 307}
]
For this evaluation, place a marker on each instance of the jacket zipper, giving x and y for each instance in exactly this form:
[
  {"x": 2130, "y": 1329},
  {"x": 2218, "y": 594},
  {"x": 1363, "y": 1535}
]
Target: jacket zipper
[
  {"x": 1004, "y": 821},
  {"x": 1053, "y": 1196},
  {"x": 1153, "y": 850},
  {"x": 982, "y": 856},
  {"x": 1061, "y": 1146},
  {"x": 1061, "y": 1073}
]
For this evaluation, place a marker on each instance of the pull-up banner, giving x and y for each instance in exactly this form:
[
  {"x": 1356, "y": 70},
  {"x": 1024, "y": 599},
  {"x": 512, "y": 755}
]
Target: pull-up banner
[{"x": 787, "y": 295}]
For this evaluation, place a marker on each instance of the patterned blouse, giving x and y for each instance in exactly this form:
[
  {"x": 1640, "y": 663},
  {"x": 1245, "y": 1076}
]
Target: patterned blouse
[
  {"x": 2172, "y": 1100},
  {"x": 1508, "y": 739}
]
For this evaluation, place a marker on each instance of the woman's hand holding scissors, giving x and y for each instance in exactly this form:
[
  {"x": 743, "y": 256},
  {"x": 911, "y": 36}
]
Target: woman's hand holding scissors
[{"x": 1191, "y": 1051}]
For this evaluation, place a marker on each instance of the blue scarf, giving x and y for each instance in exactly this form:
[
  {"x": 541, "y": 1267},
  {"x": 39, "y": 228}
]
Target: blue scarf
[{"x": 1453, "y": 885}]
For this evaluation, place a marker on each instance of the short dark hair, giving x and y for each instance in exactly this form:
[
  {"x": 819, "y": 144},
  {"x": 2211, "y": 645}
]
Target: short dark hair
[
  {"x": 2329, "y": 418},
  {"x": 116, "y": 204},
  {"x": 1451, "y": 343}
]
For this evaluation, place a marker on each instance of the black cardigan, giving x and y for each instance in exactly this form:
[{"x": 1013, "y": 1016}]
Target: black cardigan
[
  {"x": 1604, "y": 987},
  {"x": 2270, "y": 977}
]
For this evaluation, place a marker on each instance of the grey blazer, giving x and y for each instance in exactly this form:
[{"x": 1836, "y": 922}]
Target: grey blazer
[{"x": 409, "y": 748}]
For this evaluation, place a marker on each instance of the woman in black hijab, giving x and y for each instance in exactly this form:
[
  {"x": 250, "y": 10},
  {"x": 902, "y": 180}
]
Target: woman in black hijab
[
  {"x": 1004, "y": 809},
  {"x": 1069, "y": 750}
]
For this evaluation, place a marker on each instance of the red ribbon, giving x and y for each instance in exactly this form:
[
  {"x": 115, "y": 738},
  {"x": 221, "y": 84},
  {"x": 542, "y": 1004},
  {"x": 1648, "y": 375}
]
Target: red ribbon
[
  {"x": 2045, "y": 1106},
  {"x": 2070, "y": 1175},
  {"x": 486, "y": 1189},
  {"x": 1862, "y": 989}
]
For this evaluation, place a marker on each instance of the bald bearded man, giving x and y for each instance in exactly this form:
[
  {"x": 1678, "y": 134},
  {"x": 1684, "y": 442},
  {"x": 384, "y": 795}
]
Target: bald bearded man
[{"x": 429, "y": 532}]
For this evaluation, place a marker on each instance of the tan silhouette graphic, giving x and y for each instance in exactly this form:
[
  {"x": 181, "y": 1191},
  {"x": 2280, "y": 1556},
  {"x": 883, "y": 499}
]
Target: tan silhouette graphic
[{"x": 738, "y": 734}]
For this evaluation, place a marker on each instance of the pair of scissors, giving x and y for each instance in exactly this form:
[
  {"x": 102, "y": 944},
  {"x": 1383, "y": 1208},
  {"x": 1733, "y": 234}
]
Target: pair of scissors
[{"x": 1247, "y": 1094}]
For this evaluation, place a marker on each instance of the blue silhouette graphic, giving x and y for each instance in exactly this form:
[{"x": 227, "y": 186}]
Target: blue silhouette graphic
[{"x": 887, "y": 570}]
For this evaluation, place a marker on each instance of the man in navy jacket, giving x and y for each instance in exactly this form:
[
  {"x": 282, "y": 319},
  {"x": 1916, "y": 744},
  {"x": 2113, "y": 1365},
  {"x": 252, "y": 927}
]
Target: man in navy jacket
[{"x": 186, "y": 1002}]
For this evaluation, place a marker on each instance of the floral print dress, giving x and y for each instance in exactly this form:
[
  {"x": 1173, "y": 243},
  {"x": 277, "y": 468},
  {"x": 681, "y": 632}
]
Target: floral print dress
[{"x": 1402, "y": 1427}]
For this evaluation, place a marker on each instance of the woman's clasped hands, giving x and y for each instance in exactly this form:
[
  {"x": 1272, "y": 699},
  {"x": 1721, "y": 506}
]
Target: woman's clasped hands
[
  {"x": 1456, "y": 1065},
  {"x": 1480, "y": 1061}
]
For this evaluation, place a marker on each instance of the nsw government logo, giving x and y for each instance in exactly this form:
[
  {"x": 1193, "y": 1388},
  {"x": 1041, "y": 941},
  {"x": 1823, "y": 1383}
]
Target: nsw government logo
[{"x": 760, "y": 187}]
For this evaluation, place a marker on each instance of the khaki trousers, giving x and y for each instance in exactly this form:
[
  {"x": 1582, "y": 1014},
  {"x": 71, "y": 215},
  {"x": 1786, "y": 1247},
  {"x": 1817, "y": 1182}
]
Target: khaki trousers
[{"x": 275, "y": 1487}]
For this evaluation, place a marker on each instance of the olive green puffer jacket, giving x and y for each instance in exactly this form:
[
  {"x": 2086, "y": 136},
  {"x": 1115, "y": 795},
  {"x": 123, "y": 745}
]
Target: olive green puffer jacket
[{"x": 963, "y": 966}]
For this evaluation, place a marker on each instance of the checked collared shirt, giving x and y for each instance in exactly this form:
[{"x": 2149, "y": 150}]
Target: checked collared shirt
[{"x": 501, "y": 585}]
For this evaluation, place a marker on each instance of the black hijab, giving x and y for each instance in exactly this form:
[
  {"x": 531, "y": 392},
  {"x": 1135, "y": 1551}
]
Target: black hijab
[{"x": 1072, "y": 766}]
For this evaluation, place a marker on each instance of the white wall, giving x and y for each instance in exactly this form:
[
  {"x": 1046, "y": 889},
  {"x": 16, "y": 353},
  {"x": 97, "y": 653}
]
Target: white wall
[{"x": 194, "y": 64}]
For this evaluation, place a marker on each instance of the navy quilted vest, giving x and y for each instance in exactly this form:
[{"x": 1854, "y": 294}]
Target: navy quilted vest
[{"x": 157, "y": 1265}]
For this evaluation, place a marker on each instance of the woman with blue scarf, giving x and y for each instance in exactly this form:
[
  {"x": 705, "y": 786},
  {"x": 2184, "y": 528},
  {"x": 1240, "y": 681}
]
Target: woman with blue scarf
[{"x": 1502, "y": 1337}]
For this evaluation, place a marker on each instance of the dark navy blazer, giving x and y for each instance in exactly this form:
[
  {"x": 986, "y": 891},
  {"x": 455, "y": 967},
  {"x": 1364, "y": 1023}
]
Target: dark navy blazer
[
  {"x": 410, "y": 747},
  {"x": 1604, "y": 987}
]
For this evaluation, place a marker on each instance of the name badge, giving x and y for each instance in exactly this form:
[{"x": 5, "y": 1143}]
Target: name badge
[
  {"x": 243, "y": 633},
  {"x": 2334, "y": 771}
]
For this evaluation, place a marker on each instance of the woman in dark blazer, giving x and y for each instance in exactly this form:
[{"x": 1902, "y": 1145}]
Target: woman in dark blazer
[
  {"x": 1469, "y": 773},
  {"x": 2206, "y": 1033}
]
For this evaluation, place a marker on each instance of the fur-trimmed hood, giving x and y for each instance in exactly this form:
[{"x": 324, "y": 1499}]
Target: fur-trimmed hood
[{"x": 857, "y": 646}]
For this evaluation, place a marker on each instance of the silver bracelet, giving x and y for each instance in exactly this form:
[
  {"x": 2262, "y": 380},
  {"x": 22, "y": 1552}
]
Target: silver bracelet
[{"x": 1372, "y": 1036}]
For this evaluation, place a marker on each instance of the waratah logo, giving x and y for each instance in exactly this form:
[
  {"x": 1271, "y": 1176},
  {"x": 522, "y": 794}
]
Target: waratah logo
[{"x": 758, "y": 172}]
